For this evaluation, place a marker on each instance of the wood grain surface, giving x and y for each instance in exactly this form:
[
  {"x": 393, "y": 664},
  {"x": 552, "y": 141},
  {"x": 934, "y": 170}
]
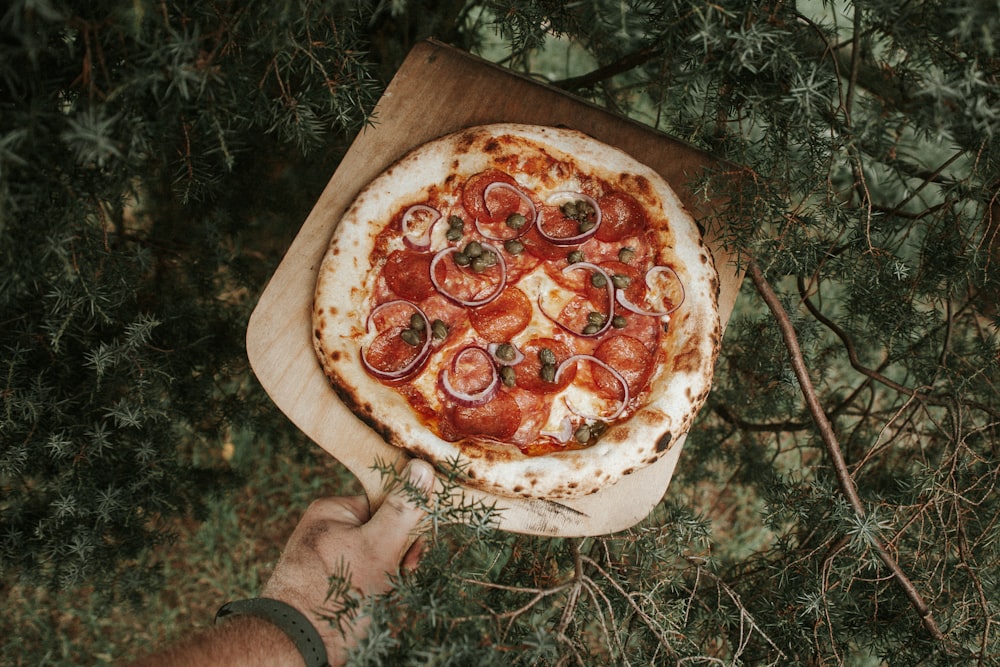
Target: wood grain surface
[{"x": 436, "y": 91}]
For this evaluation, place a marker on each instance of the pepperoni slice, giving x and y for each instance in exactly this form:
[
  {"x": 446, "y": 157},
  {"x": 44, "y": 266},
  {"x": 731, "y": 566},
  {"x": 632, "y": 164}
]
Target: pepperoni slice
[
  {"x": 502, "y": 202},
  {"x": 388, "y": 352},
  {"x": 629, "y": 357},
  {"x": 499, "y": 418},
  {"x": 542, "y": 248},
  {"x": 622, "y": 216},
  {"x": 529, "y": 371},
  {"x": 408, "y": 274},
  {"x": 504, "y": 317},
  {"x": 579, "y": 310},
  {"x": 471, "y": 370}
]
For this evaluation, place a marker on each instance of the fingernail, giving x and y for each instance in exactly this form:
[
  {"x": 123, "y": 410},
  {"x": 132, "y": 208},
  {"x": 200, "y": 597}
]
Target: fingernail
[{"x": 420, "y": 474}]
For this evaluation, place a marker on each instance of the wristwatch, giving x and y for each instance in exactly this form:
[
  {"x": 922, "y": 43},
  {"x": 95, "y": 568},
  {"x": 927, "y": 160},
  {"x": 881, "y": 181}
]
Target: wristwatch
[{"x": 298, "y": 628}]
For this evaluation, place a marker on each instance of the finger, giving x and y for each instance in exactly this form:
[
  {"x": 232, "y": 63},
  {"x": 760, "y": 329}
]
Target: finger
[
  {"x": 350, "y": 510},
  {"x": 394, "y": 524},
  {"x": 414, "y": 554}
]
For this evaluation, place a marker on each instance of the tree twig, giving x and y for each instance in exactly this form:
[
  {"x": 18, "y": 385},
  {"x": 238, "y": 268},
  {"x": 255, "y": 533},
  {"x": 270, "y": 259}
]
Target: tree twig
[
  {"x": 844, "y": 479},
  {"x": 855, "y": 361},
  {"x": 624, "y": 64}
]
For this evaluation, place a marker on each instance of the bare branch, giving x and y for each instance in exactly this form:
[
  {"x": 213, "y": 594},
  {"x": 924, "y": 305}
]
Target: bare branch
[{"x": 844, "y": 479}]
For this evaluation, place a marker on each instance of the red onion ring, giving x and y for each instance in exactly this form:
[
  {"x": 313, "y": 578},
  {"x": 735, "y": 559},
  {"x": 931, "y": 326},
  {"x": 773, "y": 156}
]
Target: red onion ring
[
  {"x": 414, "y": 363},
  {"x": 565, "y": 195},
  {"x": 412, "y": 239},
  {"x": 628, "y": 305},
  {"x": 469, "y": 303},
  {"x": 618, "y": 376},
  {"x": 611, "y": 301},
  {"x": 468, "y": 399},
  {"x": 517, "y": 233}
]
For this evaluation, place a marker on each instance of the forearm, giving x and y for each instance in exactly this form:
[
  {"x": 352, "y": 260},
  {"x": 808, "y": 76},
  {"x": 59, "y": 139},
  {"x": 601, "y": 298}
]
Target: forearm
[{"x": 246, "y": 641}]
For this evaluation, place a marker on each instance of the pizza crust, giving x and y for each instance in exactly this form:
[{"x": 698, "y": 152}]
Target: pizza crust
[{"x": 678, "y": 388}]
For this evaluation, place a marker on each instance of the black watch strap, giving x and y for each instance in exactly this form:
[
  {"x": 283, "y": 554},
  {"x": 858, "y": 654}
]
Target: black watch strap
[{"x": 289, "y": 619}]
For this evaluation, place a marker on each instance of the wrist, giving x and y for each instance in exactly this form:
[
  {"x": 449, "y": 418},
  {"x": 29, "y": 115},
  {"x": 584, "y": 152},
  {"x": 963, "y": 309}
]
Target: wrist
[{"x": 284, "y": 618}]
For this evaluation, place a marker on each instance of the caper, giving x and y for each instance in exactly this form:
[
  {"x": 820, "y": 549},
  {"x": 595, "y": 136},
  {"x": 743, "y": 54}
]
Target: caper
[
  {"x": 489, "y": 258},
  {"x": 626, "y": 255},
  {"x": 505, "y": 352},
  {"x": 411, "y": 337},
  {"x": 417, "y": 322},
  {"x": 513, "y": 246},
  {"x": 582, "y": 434},
  {"x": 483, "y": 262},
  {"x": 455, "y": 222},
  {"x": 587, "y": 224},
  {"x": 508, "y": 376},
  {"x": 575, "y": 256},
  {"x": 516, "y": 221},
  {"x": 547, "y": 357},
  {"x": 593, "y": 317},
  {"x": 569, "y": 209},
  {"x": 473, "y": 249},
  {"x": 453, "y": 234},
  {"x": 619, "y": 322},
  {"x": 591, "y": 329},
  {"x": 461, "y": 258},
  {"x": 548, "y": 372},
  {"x": 439, "y": 329},
  {"x": 621, "y": 281},
  {"x": 598, "y": 280}
]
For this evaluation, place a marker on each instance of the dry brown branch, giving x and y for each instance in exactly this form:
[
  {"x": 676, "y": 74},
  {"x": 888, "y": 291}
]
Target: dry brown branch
[{"x": 844, "y": 479}]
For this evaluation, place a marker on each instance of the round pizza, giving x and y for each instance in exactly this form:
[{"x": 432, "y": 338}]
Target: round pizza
[{"x": 523, "y": 304}]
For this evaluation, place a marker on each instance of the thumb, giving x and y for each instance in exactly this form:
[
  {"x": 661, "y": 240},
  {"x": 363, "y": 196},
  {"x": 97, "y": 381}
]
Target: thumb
[{"x": 395, "y": 522}]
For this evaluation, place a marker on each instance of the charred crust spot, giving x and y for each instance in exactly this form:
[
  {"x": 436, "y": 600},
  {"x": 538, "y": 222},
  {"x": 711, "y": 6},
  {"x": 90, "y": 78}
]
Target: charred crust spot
[
  {"x": 335, "y": 355},
  {"x": 687, "y": 360},
  {"x": 704, "y": 258},
  {"x": 642, "y": 185},
  {"x": 518, "y": 489},
  {"x": 491, "y": 146},
  {"x": 663, "y": 442},
  {"x": 629, "y": 471}
]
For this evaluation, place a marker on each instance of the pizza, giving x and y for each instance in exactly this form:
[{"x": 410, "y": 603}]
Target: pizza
[{"x": 523, "y": 304}]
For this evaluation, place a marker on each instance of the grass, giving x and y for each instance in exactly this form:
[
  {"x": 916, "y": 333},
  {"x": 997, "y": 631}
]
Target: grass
[{"x": 227, "y": 556}]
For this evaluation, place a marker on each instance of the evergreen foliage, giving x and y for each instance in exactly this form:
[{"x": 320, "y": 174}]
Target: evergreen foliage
[
  {"x": 126, "y": 127},
  {"x": 837, "y": 500}
]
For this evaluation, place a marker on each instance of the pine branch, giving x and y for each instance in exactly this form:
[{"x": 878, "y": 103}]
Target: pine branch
[
  {"x": 623, "y": 64},
  {"x": 852, "y": 355},
  {"x": 844, "y": 479}
]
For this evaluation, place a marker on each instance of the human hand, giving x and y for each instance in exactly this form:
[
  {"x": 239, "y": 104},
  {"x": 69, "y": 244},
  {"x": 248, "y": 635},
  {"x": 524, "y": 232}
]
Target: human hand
[{"x": 338, "y": 533}]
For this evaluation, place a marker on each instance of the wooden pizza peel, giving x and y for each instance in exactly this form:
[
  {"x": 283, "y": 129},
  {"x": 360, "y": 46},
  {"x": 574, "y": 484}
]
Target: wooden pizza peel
[{"x": 439, "y": 90}]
